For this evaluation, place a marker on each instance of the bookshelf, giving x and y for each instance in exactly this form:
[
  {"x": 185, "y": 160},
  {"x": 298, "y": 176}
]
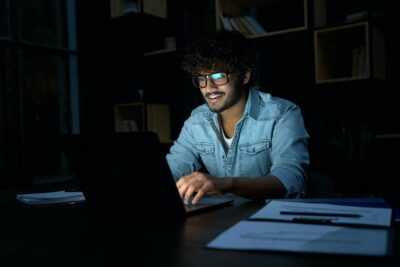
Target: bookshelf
[
  {"x": 157, "y": 8},
  {"x": 349, "y": 51},
  {"x": 328, "y": 13},
  {"x": 342, "y": 53},
  {"x": 153, "y": 17},
  {"x": 169, "y": 47},
  {"x": 140, "y": 116},
  {"x": 259, "y": 18},
  {"x": 348, "y": 43}
]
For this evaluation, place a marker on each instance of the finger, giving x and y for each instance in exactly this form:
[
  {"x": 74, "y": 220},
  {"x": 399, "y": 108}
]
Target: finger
[
  {"x": 188, "y": 194},
  {"x": 178, "y": 183},
  {"x": 182, "y": 189},
  {"x": 184, "y": 179},
  {"x": 199, "y": 195}
]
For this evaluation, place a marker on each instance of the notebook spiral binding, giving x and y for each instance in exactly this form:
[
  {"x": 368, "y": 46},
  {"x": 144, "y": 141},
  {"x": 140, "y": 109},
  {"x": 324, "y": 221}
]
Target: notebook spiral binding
[{"x": 62, "y": 200}]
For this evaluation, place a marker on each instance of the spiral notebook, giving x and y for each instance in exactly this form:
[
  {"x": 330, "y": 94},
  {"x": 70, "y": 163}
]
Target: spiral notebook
[{"x": 57, "y": 197}]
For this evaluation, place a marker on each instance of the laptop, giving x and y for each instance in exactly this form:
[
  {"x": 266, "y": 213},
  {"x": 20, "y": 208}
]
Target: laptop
[{"x": 127, "y": 173}]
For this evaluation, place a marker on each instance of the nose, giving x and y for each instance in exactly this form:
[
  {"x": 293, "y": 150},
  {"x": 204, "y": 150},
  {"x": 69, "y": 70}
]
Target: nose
[{"x": 211, "y": 86}]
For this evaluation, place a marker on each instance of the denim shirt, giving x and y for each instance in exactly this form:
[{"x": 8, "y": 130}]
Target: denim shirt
[{"x": 270, "y": 139}]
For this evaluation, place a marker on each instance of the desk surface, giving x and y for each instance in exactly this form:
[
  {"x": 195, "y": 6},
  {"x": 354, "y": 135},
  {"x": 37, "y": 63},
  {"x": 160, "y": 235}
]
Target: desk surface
[{"x": 66, "y": 236}]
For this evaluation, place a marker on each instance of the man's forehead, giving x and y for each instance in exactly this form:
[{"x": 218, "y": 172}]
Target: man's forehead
[{"x": 207, "y": 72}]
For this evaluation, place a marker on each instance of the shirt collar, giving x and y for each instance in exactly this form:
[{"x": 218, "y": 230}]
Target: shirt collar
[{"x": 252, "y": 104}]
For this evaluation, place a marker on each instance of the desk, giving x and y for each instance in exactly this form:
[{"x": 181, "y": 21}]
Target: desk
[{"x": 65, "y": 236}]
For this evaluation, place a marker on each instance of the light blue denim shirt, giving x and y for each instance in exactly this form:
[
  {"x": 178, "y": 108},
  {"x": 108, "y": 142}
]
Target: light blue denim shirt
[{"x": 270, "y": 139}]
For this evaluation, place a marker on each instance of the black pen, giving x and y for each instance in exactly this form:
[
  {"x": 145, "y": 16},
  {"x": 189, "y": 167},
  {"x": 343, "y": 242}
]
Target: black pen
[
  {"x": 320, "y": 214},
  {"x": 309, "y": 220}
]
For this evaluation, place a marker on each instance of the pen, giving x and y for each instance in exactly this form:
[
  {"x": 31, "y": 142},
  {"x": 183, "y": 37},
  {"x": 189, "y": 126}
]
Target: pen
[
  {"x": 320, "y": 214},
  {"x": 308, "y": 220}
]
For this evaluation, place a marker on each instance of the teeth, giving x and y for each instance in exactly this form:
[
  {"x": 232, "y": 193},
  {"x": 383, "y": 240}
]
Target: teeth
[{"x": 214, "y": 95}]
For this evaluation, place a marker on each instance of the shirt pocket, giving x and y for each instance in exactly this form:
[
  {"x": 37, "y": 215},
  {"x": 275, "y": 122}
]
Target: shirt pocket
[
  {"x": 254, "y": 158},
  {"x": 207, "y": 155},
  {"x": 204, "y": 148}
]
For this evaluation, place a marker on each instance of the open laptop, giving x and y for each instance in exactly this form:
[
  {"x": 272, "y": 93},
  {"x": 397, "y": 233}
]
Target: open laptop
[{"x": 127, "y": 173}]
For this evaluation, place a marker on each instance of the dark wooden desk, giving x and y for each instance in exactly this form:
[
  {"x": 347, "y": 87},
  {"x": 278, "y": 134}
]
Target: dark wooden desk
[{"x": 66, "y": 236}]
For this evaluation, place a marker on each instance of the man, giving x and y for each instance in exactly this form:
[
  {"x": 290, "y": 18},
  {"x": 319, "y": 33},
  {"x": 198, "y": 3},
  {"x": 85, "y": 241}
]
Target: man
[{"x": 251, "y": 144}]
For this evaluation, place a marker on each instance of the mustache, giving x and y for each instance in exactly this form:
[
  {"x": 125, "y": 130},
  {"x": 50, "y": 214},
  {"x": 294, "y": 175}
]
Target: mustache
[{"x": 214, "y": 93}]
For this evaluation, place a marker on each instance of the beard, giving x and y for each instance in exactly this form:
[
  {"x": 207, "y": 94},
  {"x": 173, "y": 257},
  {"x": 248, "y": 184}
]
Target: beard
[{"x": 237, "y": 94}]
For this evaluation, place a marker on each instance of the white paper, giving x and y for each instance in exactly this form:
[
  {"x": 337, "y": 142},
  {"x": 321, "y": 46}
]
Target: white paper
[
  {"x": 368, "y": 216},
  {"x": 294, "y": 237}
]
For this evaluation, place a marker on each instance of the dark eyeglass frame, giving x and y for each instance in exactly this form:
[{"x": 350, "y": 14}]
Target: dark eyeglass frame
[{"x": 208, "y": 77}]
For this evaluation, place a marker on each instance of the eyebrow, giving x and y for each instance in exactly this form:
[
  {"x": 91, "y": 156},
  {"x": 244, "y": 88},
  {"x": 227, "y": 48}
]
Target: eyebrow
[{"x": 197, "y": 74}]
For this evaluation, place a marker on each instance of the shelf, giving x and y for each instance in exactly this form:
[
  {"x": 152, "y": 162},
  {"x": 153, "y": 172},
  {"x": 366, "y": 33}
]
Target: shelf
[
  {"x": 329, "y": 13},
  {"x": 388, "y": 136},
  {"x": 120, "y": 8},
  {"x": 159, "y": 52},
  {"x": 140, "y": 116},
  {"x": 344, "y": 53},
  {"x": 261, "y": 18}
]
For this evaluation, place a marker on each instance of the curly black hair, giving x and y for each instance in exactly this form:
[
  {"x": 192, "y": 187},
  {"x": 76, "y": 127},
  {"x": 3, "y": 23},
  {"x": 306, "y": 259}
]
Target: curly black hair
[{"x": 219, "y": 51}]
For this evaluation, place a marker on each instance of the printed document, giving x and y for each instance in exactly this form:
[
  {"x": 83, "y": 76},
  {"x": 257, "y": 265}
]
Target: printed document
[
  {"x": 307, "y": 238},
  {"x": 332, "y": 213}
]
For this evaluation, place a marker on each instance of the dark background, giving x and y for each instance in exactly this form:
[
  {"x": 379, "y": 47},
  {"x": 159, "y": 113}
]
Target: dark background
[{"x": 343, "y": 118}]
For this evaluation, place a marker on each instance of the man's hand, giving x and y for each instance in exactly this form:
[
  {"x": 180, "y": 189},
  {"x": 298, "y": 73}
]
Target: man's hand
[{"x": 202, "y": 184}]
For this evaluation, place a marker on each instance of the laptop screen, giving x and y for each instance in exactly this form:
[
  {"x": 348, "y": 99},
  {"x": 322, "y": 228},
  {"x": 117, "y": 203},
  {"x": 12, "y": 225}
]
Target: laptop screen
[{"x": 123, "y": 171}]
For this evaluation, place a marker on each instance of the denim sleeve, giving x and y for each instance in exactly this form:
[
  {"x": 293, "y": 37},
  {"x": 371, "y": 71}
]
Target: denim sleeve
[
  {"x": 182, "y": 158},
  {"x": 290, "y": 152}
]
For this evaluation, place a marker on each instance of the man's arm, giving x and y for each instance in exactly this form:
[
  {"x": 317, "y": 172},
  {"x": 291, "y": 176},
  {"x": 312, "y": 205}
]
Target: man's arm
[
  {"x": 253, "y": 188},
  {"x": 182, "y": 159}
]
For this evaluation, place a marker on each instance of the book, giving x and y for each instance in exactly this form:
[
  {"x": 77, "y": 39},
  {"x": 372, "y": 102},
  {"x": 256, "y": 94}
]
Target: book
[
  {"x": 128, "y": 126},
  {"x": 57, "y": 197},
  {"x": 131, "y": 6},
  {"x": 241, "y": 26},
  {"x": 225, "y": 22},
  {"x": 234, "y": 25},
  {"x": 260, "y": 29},
  {"x": 249, "y": 26},
  {"x": 357, "y": 16}
]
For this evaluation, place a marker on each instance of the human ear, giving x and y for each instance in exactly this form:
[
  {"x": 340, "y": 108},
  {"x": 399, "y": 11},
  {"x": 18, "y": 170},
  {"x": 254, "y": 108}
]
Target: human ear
[{"x": 246, "y": 77}]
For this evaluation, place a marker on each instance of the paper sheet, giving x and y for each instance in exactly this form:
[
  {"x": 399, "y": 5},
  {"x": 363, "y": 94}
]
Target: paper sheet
[
  {"x": 366, "y": 215},
  {"x": 277, "y": 236}
]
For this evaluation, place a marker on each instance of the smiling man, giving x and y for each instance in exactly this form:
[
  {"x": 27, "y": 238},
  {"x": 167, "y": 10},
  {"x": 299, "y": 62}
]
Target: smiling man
[{"x": 241, "y": 141}]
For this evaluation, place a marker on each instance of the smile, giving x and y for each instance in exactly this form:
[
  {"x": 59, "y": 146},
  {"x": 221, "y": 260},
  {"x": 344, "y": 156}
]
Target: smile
[{"x": 214, "y": 95}]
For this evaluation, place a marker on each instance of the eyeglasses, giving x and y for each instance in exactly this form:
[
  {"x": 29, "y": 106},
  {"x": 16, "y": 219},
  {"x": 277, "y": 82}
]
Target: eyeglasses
[{"x": 219, "y": 78}]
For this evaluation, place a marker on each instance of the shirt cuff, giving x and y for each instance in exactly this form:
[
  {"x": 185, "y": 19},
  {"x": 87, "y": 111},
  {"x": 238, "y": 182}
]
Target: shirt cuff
[{"x": 294, "y": 185}]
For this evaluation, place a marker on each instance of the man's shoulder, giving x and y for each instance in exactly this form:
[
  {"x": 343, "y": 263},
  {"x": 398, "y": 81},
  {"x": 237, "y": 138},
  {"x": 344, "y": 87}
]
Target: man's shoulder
[
  {"x": 266, "y": 99},
  {"x": 198, "y": 114},
  {"x": 272, "y": 106}
]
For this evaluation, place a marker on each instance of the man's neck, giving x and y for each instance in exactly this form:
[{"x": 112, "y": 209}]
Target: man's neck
[{"x": 231, "y": 116}]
